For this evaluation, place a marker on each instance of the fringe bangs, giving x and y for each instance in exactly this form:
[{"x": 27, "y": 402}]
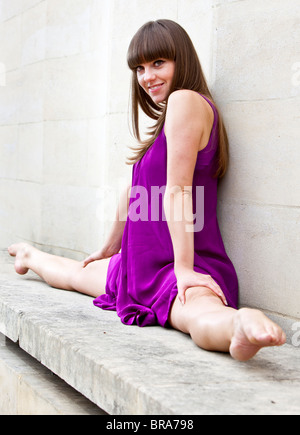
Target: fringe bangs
[{"x": 152, "y": 42}]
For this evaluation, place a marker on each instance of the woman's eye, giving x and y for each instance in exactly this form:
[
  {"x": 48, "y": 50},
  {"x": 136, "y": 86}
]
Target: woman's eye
[
  {"x": 139, "y": 69},
  {"x": 158, "y": 63}
]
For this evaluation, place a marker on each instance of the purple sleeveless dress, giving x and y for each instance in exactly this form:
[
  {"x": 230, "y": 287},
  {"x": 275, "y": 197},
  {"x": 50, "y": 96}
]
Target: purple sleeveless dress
[{"x": 141, "y": 284}]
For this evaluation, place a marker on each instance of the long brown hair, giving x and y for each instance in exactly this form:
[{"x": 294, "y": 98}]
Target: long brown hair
[{"x": 165, "y": 39}]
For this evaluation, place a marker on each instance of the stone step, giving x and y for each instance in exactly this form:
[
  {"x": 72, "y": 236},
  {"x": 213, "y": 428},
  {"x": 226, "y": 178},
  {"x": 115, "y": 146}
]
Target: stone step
[
  {"x": 28, "y": 388},
  {"x": 126, "y": 370}
]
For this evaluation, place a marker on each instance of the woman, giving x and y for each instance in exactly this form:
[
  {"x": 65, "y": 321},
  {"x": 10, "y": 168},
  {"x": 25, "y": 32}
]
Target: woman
[{"x": 171, "y": 271}]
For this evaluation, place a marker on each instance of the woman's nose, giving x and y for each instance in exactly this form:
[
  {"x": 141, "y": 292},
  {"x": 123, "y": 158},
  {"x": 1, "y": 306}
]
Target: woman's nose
[{"x": 149, "y": 75}]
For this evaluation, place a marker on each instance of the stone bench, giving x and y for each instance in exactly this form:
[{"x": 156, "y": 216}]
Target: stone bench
[{"x": 125, "y": 370}]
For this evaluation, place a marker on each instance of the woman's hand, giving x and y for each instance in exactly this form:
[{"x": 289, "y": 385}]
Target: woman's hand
[
  {"x": 93, "y": 257},
  {"x": 101, "y": 255},
  {"x": 187, "y": 278}
]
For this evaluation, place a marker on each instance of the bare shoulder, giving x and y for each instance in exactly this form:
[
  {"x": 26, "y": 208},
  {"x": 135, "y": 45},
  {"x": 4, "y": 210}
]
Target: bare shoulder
[
  {"x": 188, "y": 107},
  {"x": 184, "y": 95},
  {"x": 188, "y": 99}
]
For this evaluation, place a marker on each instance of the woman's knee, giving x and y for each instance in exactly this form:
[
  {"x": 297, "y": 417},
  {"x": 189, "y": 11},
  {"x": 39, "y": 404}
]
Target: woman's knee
[
  {"x": 199, "y": 301},
  {"x": 197, "y": 294},
  {"x": 90, "y": 280}
]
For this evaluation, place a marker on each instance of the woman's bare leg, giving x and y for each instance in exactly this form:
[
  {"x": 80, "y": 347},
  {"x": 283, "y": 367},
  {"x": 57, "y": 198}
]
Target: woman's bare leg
[
  {"x": 59, "y": 272},
  {"x": 215, "y": 327}
]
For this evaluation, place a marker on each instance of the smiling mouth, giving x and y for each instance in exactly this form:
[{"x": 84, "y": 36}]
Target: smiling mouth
[{"x": 155, "y": 88}]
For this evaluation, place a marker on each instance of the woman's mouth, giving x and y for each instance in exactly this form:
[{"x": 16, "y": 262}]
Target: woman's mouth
[{"x": 155, "y": 88}]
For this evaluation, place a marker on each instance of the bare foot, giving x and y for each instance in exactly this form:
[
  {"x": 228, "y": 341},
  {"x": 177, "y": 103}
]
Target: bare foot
[
  {"x": 253, "y": 331},
  {"x": 21, "y": 251}
]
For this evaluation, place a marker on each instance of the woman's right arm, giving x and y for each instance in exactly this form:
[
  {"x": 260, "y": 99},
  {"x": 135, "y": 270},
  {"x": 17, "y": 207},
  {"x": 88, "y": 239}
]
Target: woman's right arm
[{"x": 114, "y": 241}]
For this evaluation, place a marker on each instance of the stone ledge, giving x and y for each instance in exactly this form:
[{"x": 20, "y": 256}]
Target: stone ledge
[
  {"x": 150, "y": 371},
  {"x": 28, "y": 388}
]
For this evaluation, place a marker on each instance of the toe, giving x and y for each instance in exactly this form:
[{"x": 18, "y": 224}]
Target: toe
[
  {"x": 11, "y": 250},
  {"x": 282, "y": 339}
]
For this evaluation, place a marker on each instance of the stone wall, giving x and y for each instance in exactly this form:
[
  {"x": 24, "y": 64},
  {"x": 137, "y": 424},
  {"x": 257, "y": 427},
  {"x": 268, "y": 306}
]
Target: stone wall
[
  {"x": 64, "y": 137},
  {"x": 254, "y": 76}
]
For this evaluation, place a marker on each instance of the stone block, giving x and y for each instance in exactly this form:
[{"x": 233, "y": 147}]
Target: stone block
[
  {"x": 263, "y": 243},
  {"x": 26, "y": 214},
  {"x": 7, "y": 218},
  {"x": 19, "y": 211},
  {"x": 30, "y": 152},
  {"x": 34, "y": 33},
  {"x": 11, "y": 43},
  {"x": 197, "y": 18},
  {"x": 28, "y": 4},
  {"x": 68, "y": 28},
  {"x": 119, "y": 89},
  {"x": 10, "y": 9},
  {"x": 265, "y": 156},
  {"x": 256, "y": 49},
  {"x": 65, "y": 152},
  {"x": 97, "y": 150},
  {"x": 72, "y": 89},
  {"x": 11, "y": 98},
  {"x": 119, "y": 141},
  {"x": 130, "y": 16},
  {"x": 72, "y": 210},
  {"x": 9, "y": 151},
  {"x": 100, "y": 26},
  {"x": 32, "y": 93},
  {"x": 28, "y": 388}
]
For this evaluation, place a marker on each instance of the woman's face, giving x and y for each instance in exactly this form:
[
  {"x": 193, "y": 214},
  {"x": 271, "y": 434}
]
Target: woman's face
[{"x": 156, "y": 78}]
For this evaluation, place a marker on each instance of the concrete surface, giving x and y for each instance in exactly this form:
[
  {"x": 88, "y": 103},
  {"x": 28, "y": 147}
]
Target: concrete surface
[
  {"x": 28, "y": 388},
  {"x": 128, "y": 370}
]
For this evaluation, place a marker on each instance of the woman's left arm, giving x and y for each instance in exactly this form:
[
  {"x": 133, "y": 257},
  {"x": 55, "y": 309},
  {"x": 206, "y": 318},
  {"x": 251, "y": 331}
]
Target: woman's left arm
[{"x": 185, "y": 126}]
